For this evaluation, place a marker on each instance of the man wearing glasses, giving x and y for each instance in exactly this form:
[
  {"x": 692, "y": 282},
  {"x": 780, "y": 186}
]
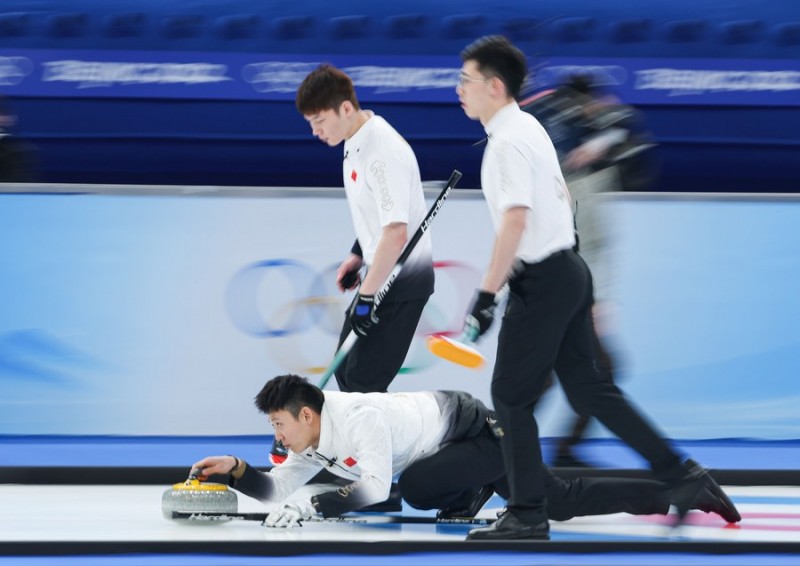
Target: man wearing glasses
[{"x": 546, "y": 326}]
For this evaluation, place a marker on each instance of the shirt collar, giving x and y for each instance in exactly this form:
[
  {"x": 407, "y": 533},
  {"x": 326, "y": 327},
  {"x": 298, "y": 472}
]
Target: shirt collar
[
  {"x": 361, "y": 134},
  {"x": 506, "y": 115}
]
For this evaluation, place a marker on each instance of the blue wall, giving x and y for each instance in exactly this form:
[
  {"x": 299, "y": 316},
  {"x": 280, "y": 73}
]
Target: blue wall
[
  {"x": 127, "y": 308},
  {"x": 745, "y": 143}
]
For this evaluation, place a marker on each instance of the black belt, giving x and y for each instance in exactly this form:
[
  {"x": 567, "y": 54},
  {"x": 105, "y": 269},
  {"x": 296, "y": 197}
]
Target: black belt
[{"x": 526, "y": 265}]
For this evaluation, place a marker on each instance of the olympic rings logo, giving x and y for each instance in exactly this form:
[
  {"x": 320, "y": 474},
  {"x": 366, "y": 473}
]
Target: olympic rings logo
[
  {"x": 257, "y": 304},
  {"x": 298, "y": 311}
]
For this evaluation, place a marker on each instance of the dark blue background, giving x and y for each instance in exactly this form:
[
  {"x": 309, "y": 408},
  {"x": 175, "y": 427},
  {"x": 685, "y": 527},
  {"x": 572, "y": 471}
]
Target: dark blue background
[{"x": 705, "y": 146}]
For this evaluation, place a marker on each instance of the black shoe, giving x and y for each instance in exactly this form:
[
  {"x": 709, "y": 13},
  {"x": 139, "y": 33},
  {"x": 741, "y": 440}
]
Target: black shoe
[
  {"x": 713, "y": 500},
  {"x": 687, "y": 489},
  {"x": 509, "y": 527},
  {"x": 394, "y": 503},
  {"x": 469, "y": 511}
]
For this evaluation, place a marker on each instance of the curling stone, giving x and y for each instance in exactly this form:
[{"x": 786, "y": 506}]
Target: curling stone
[{"x": 194, "y": 496}]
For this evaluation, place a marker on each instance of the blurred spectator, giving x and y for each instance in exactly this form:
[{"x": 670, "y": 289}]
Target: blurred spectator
[
  {"x": 17, "y": 163},
  {"x": 593, "y": 131},
  {"x": 603, "y": 146}
]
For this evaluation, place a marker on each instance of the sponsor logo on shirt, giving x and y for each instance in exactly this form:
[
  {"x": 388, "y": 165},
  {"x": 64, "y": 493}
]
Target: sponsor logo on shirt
[{"x": 378, "y": 168}]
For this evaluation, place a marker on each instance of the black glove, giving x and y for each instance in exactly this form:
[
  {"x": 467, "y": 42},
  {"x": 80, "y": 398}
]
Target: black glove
[
  {"x": 350, "y": 279},
  {"x": 480, "y": 316},
  {"x": 362, "y": 315}
]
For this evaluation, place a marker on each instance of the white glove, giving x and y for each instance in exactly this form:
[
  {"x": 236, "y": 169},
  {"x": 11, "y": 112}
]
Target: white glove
[{"x": 289, "y": 515}]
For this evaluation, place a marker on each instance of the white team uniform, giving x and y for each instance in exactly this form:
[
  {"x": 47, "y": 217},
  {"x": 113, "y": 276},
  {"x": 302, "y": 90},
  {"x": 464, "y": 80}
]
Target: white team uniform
[
  {"x": 365, "y": 438},
  {"x": 520, "y": 168},
  {"x": 383, "y": 186},
  {"x": 382, "y": 183}
]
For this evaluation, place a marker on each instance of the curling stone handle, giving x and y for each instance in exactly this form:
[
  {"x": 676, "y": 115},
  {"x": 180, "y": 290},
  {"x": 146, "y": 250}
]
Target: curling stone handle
[{"x": 196, "y": 474}]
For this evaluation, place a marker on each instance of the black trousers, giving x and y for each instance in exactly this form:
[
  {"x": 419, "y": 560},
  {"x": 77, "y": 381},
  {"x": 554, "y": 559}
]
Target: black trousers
[
  {"x": 376, "y": 359},
  {"x": 605, "y": 365},
  {"x": 450, "y": 477},
  {"x": 546, "y": 327}
]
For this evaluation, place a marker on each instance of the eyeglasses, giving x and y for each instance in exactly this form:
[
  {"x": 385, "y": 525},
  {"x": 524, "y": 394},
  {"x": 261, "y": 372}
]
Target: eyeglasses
[{"x": 464, "y": 79}]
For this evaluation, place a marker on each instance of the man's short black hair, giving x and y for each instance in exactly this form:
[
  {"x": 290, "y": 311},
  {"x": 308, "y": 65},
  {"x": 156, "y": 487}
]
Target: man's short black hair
[
  {"x": 497, "y": 57},
  {"x": 325, "y": 88},
  {"x": 289, "y": 393}
]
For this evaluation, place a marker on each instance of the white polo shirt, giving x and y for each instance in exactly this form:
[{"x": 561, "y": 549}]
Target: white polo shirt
[
  {"x": 382, "y": 183},
  {"x": 520, "y": 168}
]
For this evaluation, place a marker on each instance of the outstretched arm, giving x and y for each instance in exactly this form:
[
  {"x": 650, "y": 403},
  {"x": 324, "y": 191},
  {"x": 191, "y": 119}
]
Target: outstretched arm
[{"x": 276, "y": 485}]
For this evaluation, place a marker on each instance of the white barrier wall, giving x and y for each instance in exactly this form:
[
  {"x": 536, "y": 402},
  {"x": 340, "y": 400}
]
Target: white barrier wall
[{"x": 158, "y": 311}]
